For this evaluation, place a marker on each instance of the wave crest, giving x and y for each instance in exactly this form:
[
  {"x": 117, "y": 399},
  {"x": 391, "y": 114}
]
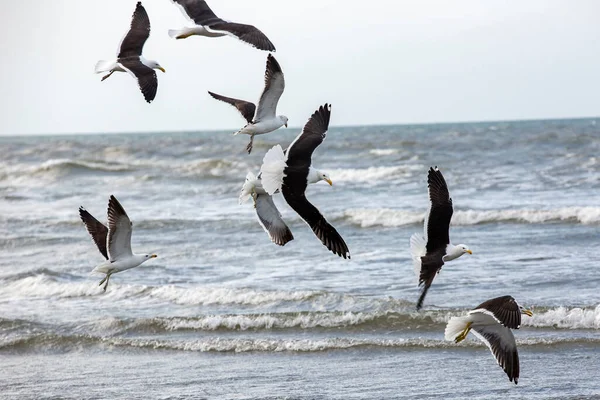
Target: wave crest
[{"x": 387, "y": 217}]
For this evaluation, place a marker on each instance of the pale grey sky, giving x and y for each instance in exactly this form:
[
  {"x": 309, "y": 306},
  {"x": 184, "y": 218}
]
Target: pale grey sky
[{"x": 377, "y": 62}]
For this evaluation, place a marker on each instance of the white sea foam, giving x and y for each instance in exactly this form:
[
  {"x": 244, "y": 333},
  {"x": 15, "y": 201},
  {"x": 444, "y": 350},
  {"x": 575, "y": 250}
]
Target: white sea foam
[
  {"x": 372, "y": 174},
  {"x": 393, "y": 218},
  {"x": 48, "y": 287},
  {"x": 265, "y": 321},
  {"x": 383, "y": 152},
  {"x": 271, "y": 345},
  {"x": 565, "y": 318}
]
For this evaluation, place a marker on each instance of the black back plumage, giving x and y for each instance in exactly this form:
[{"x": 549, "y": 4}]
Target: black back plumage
[{"x": 505, "y": 309}]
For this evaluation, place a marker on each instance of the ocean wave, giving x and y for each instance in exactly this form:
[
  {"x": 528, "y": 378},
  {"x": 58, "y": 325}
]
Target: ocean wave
[
  {"x": 51, "y": 342},
  {"x": 306, "y": 320},
  {"x": 383, "y": 152},
  {"x": 394, "y": 218},
  {"x": 45, "y": 286},
  {"x": 213, "y": 167},
  {"x": 566, "y": 318},
  {"x": 372, "y": 174},
  {"x": 73, "y": 166}
]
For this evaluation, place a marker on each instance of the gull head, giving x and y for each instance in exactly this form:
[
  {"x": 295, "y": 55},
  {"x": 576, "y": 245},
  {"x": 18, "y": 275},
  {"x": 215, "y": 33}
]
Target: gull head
[
  {"x": 154, "y": 65},
  {"x": 283, "y": 119},
  {"x": 529, "y": 313},
  {"x": 453, "y": 252},
  {"x": 324, "y": 177},
  {"x": 464, "y": 249}
]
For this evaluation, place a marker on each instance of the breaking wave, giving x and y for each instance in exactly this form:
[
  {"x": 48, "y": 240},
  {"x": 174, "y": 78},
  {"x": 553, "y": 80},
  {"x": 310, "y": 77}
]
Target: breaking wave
[
  {"x": 372, "y": 174},
  {"x": 61, "y": 343},
  {"x": 393, "y": 218}
]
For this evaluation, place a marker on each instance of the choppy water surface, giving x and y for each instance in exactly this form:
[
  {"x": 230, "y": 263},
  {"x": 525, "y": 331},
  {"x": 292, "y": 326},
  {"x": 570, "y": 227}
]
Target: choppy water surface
[{"x": 224, "y": 313}]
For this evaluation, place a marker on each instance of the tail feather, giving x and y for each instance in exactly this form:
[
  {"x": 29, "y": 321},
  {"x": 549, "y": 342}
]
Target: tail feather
[
  {"x": 272, "y": 169},
  {"x": 180, "y": 33},
  {"x": 104, "y": 66},
  {"x": 455, "y": 326},
  {"x": 418, "y": 248},
  {"x": 248, "y": 188}
]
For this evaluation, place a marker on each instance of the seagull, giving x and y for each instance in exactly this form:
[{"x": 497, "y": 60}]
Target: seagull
[
  {"x": 206, "y": 23},
  {"x": 492, "y": 322},
  {"x": 113, "y": 242},
  {"x": 130, "y": 59},
  {"x": 291, "y": 172},
  {"x": 431, "y": 251},
  {"x": 266, "y": 211},
  {"x": 261, "y": 119}
]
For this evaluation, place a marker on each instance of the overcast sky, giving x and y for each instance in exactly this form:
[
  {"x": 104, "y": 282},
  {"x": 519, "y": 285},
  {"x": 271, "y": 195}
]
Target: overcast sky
[{"x": 377, "y": 62}]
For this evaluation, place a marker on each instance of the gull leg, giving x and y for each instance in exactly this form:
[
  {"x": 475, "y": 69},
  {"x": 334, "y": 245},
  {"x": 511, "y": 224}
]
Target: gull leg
[
  {"x": 106, "y": 76},
  {"x": 249, "y": 147},
  {"x": 463, "y": 335},
  {"x": 106, "y": 278}
]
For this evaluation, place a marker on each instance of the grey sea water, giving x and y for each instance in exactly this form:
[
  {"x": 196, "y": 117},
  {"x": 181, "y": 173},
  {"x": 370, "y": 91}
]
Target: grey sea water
[{"x": 224, "y": 313}]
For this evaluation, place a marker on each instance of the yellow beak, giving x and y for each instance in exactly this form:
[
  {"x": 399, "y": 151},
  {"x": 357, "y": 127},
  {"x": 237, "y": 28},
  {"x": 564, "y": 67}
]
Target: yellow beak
[
  {"x": 527, "y": 312},
  {"x": 153, "y": 256},
  {"x": 162, "y": 69},
  {"x": 328, "y": 181},
  {"x": 469, "y": 251}
]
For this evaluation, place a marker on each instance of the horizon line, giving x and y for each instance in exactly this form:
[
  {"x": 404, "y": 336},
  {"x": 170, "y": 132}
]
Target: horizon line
[{"x": 300, "y": 127}]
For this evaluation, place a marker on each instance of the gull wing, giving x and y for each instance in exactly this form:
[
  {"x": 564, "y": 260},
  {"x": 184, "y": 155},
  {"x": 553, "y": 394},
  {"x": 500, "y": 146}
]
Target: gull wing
[
  {"x": 501, "y": 342},
  {"x": 145, "y": 76},
  {"x": 119, "y": 231},
  {"x": 246, "y": 108},
  {"x": 274, "y": 86},
  {"x": 134, "y": 40},
  {"x": 97, "y": 230},
  {"x": 271, "y": 221},
  {"x": 437, "y": 221}
]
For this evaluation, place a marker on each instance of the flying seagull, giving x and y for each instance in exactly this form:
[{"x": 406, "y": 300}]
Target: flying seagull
[
  {"x": 261, "y": 119},
  {"x": 268, "y": 215},
  {"x": 113, "y": 242},
  {"x": 492, "y": 322},
  {"x": 431, "y": 251},
  {"x": 206, "y": 23},
  {"x": 130, "y": 59},
  {"x": 291, "y": 172}
]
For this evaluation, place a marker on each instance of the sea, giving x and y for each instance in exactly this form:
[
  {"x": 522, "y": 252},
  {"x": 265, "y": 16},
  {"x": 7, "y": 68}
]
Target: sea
[{"x": 223, "y": 313}]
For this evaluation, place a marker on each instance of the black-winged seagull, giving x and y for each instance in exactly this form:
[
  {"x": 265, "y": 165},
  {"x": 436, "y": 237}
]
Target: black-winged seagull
[
  {"x": 491, "y": 322},
  {"x": 209, "y": 25},
  {"x": 431, "y": 251},
  {"x": 261, "y": 119},
  {"x": 114, "y": 241},
  {"x": 291, "y": 172},
  {"x": 130, "y": 59}
]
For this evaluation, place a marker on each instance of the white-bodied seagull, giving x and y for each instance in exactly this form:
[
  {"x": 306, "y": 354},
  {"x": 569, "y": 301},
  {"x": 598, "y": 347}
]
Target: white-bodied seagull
[
  {"x": 206, "y": 23},
  {"x": 130, "y": 59},
  {"x": 291, "y": 172},
  {"x": 261, "y": 119},
  {"x": 491, "y": 322},
  {"x": 114, "y": 241},
  {"x": 431, "y": 251}
]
